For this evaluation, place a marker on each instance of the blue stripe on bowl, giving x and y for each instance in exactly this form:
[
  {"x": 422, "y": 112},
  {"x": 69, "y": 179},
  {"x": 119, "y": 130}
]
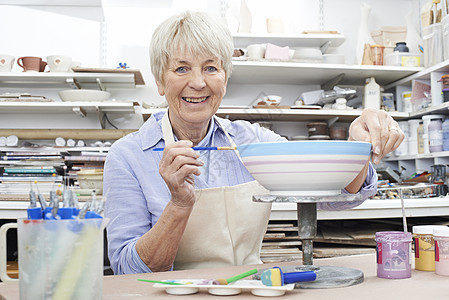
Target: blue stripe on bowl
[{"x": 305, "y": 147}]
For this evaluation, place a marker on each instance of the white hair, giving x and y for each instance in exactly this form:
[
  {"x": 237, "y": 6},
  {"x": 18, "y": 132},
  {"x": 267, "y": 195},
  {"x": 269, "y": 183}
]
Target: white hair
[{"x": 195, "y": 32}]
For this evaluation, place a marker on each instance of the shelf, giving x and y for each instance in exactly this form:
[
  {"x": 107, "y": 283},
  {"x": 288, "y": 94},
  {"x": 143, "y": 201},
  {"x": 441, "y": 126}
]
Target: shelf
[
  {"x": 54, "y": 149},
  {"x": 418, "y": 156},
  {"x": 425, "y": 207},
  {"x": 65, "y": 107},
  {"x": 67, "y": 80},
  {"x": 265, "y": 72},
  {"x": 93, "y": 3},
  {"x": 15, "y": 206},
  {"x": 252, "y": 114},
  {"x": 242, "y": 40},
  {"x": 13, "y": 209},
  {"x": 440, "y": 109},
  {"x": 424, "y": 74}
]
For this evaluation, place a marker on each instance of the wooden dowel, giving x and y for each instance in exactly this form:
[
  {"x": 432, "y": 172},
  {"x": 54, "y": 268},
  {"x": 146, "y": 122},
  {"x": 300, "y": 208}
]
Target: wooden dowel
[{"x": 88, "y": 134}]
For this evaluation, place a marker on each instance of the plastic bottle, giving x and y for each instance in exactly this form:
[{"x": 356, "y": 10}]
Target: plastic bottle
[
  {"x": 413, "y": 136},
  {"x": 435, "y": 136},
  {"x": 446, "y": 135},
  {"x": 407, "y": 103},
  {"x": 371, "y": 97},
  {"x": 421, "y": 138},
  {"x": 426, "y": 121}
]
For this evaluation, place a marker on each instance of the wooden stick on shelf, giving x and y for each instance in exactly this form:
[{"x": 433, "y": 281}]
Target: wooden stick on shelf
[{"x": 88, "y": 134}]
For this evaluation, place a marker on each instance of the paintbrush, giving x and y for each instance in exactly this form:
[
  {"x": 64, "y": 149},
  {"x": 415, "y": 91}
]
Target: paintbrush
[
  {"x": 204, "y": 148},
  {"x": 163, "y": 282},
  {"x": 222, "y": 281}
]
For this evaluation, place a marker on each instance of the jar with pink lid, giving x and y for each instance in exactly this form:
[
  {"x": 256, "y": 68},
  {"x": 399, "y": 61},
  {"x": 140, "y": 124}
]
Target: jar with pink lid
[{"x": 441, "y": 237}]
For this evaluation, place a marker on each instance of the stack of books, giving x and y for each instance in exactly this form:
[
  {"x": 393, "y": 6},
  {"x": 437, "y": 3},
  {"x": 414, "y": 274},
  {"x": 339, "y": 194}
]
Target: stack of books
[{"x": 20, "y": 170}]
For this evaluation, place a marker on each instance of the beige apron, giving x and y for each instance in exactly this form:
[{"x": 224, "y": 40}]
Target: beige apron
[{"x": 225, "y": 227}]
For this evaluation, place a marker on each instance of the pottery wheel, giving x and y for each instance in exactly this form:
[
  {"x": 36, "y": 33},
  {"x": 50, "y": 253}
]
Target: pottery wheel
[
  {"x": 327, "y": 277},
  {"x": 307, "y": 216}
]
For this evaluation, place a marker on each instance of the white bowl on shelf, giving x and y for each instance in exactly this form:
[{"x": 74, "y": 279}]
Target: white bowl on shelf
[{"x": 84, "y": 95}]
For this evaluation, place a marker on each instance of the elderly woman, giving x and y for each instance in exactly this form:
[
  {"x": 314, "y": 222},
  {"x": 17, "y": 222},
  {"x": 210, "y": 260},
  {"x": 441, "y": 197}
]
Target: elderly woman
[{"x": 186, "y": 209}]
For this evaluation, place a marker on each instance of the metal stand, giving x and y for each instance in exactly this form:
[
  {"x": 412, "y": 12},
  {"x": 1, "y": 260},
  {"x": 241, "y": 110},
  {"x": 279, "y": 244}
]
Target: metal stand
[{"x": 327, "y": 277}]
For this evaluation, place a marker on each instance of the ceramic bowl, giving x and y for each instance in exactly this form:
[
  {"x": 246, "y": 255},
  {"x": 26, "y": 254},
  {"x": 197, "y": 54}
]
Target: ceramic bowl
[
  {"x": 84, "y": 95},
  {"x": 305, "y": 167}
]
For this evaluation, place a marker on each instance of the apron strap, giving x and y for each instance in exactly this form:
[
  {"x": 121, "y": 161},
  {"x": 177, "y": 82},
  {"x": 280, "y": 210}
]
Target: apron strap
[{"x": 167, "y": 130}]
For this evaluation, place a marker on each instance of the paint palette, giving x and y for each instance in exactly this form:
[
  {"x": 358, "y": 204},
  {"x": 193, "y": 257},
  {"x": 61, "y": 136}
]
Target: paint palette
[{"x": 193, "y": 286}]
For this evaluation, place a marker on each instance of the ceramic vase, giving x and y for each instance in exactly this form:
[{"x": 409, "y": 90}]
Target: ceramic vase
[
  {"x": 232, "y": 15},
  {"x": 413, "y": 38},
  {"x": 363, "y": 36},
  {"x": 245, "y": 18}
]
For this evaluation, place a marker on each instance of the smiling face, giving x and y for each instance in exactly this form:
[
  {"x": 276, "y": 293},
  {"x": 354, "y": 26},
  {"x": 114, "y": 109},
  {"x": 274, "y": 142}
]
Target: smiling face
[{"x": 194, "y": 86}]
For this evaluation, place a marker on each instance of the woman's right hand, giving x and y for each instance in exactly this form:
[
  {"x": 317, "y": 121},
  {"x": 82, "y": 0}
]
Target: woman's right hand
[{"x": 178, "y": 166}]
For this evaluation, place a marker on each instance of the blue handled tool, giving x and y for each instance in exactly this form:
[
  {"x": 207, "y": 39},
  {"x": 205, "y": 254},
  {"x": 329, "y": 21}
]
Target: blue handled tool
[
  {"x": 275, "y": 277},
  {"x": 33, "y": 212},
  {"x": 203, "y": 148}
]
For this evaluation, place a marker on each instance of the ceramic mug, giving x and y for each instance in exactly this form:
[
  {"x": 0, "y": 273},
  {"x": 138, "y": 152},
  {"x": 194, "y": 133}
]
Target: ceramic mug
[
  {"x": 255, "y": 51},
  {"x": 59, "y": 63},
  {"x": 42, "y": 66},
  {"x": 275, "y": 25},
  {"x": 6, "y": 62},
  {"x": 30, "y": 63}
]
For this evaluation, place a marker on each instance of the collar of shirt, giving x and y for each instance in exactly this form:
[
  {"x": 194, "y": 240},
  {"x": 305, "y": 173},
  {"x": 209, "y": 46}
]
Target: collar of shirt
[{"x": 151, "y": 132}]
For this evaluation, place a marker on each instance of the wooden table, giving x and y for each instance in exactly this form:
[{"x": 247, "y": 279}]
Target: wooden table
[{"x": 422, "y": 285}]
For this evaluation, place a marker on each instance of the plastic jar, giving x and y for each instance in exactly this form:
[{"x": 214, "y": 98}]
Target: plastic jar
[
  {"x": 436, "y": 136},
  {"x": 393, "y": 254},
  {"x": 441, "y": 236},
  {"x": 421, "y": 138},
  {"x": 445, "y": 127},
  {"x": 377, "y": 54},
  {"x": 445, "y": 81},
  {"x": 407, "y": 101},
  {"x": 424, "y": 247}
]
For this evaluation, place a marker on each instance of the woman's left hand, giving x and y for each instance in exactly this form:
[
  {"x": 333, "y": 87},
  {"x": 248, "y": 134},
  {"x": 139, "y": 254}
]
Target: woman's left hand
[{"x": 378, "y": 128}]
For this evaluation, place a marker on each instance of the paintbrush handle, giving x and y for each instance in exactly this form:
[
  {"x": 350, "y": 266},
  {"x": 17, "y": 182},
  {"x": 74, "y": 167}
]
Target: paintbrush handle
[
  {"x": 163, "y": 282},
  {"x": 203, "y": 148},
  {"x": 240, "y": 276}
]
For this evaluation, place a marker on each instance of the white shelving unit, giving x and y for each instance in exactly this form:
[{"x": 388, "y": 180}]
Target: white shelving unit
[
  {"x": 419, "y": 163},
  {"x": 79, "y": 108},
  {"x": 270, "y": 72},
  {"x": 242, "y": 40},
  {"x": 70, "y": 80},
  {"x": 372, "y": 209},
  {"x": 245, "y": 72},
  {"x": 285, "y": 114}
]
